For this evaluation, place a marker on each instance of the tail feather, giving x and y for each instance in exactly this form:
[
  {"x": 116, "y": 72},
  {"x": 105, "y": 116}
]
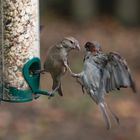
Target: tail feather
[
  {"x": 105, "y": 115},
  {"x": 113, "y": 114},
  {"x": 57, "y": 87},
  {"x": 57, "y": 84},
  {"x": 60, "y": 90}
]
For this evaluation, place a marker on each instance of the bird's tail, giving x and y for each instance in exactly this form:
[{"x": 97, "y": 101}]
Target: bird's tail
[
  {"x": 57, "y": 87},
  {"x": 104, "y": 110},
  {"x": 113, "y": 114},
  {"x": 105, "y": 115},
  {"x": 60, "y": 90}
]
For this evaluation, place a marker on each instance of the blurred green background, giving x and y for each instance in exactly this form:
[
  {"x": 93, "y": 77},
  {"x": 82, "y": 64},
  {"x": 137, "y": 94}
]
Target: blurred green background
[{"x": 113, "y": 23}]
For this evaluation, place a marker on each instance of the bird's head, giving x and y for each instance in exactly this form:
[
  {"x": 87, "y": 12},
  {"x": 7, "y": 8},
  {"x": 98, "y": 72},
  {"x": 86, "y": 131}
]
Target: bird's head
[
  {"x": 70, "y": 43},
  {"x": 93, "y": 46}
]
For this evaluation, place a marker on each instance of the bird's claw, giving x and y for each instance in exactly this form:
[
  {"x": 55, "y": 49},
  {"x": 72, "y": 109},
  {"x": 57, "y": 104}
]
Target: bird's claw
[
  {"x": 42, "y": 71},
  {"x": 50, "y": 95},
  {"x": 74, "y": 75}
]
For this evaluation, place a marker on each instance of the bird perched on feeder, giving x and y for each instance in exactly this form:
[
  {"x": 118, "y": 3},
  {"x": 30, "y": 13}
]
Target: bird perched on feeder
[
  {"x": 103, "y": 73},
  {"x": 56, "y": 62}
]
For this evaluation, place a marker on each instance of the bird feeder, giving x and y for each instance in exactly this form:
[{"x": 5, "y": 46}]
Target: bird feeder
[{"x": 19, "y": 50}]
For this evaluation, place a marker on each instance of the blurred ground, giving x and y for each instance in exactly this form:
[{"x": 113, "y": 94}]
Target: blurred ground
[{"x": 75, "y": 116}]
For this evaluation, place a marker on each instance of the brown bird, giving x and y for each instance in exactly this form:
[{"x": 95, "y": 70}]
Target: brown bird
[
  {"x": 56, "y": 62},
  {"x": 103, "y": 73}
]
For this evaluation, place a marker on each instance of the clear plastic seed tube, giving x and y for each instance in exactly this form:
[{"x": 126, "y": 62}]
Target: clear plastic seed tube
[{"x": 19, "y": 40}]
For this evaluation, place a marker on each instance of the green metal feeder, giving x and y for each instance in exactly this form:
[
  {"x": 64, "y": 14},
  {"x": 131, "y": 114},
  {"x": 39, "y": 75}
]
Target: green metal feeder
[{"x": 19, "y": 51}]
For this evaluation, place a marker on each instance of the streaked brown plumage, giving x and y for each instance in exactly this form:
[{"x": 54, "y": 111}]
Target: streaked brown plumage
[
  {"x": 103, "y": 73},
  {"x": 56, "y": 62}
]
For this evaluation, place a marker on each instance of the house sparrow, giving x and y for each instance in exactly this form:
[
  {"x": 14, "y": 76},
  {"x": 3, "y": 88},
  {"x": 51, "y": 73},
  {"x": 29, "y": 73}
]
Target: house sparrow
[
  {"x": 101, "y": 74},
  {"x": 56, "y": 62}
]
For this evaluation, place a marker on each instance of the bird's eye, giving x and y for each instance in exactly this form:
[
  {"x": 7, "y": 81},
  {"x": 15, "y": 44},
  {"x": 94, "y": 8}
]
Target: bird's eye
[{"x": 71, "y": 42}]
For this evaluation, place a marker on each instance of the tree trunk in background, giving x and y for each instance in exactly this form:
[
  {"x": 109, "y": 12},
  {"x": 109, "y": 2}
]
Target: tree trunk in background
[
  {"x": 84, "y": 10},
  {"x": 128, "y": 11}
]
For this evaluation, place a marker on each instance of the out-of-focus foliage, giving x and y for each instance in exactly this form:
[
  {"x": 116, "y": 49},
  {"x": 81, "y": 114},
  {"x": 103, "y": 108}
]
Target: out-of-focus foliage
[{"x": 127, "y": 11}]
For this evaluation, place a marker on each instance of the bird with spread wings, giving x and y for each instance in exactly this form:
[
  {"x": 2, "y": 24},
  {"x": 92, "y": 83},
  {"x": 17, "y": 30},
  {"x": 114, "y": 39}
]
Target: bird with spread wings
[{"x": 101, "y": 74}]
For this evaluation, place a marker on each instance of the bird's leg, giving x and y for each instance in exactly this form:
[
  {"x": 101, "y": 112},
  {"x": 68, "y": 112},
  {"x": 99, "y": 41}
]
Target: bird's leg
[
  {"x": 69, "y": 69},
  {"x": 75, "y": 75},
  {"x": 52, "y": 93}
]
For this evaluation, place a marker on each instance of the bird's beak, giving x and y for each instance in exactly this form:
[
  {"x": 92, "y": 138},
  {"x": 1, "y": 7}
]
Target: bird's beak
[{"x": 78, "y": 47}]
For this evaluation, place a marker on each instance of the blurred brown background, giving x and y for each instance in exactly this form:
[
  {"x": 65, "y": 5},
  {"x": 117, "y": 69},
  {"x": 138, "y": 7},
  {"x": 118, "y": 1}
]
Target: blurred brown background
[{"x": 116, "y": 25}]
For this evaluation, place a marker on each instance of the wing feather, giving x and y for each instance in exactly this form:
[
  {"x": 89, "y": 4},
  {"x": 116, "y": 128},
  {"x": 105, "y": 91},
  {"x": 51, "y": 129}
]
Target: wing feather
[{"x": 119, "y": 73}]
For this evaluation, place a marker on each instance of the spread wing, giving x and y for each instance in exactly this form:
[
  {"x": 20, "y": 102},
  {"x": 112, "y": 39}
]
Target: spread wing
[
  {"x": 117, "y": 73},
  {"x": 103, "y": 73}
]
